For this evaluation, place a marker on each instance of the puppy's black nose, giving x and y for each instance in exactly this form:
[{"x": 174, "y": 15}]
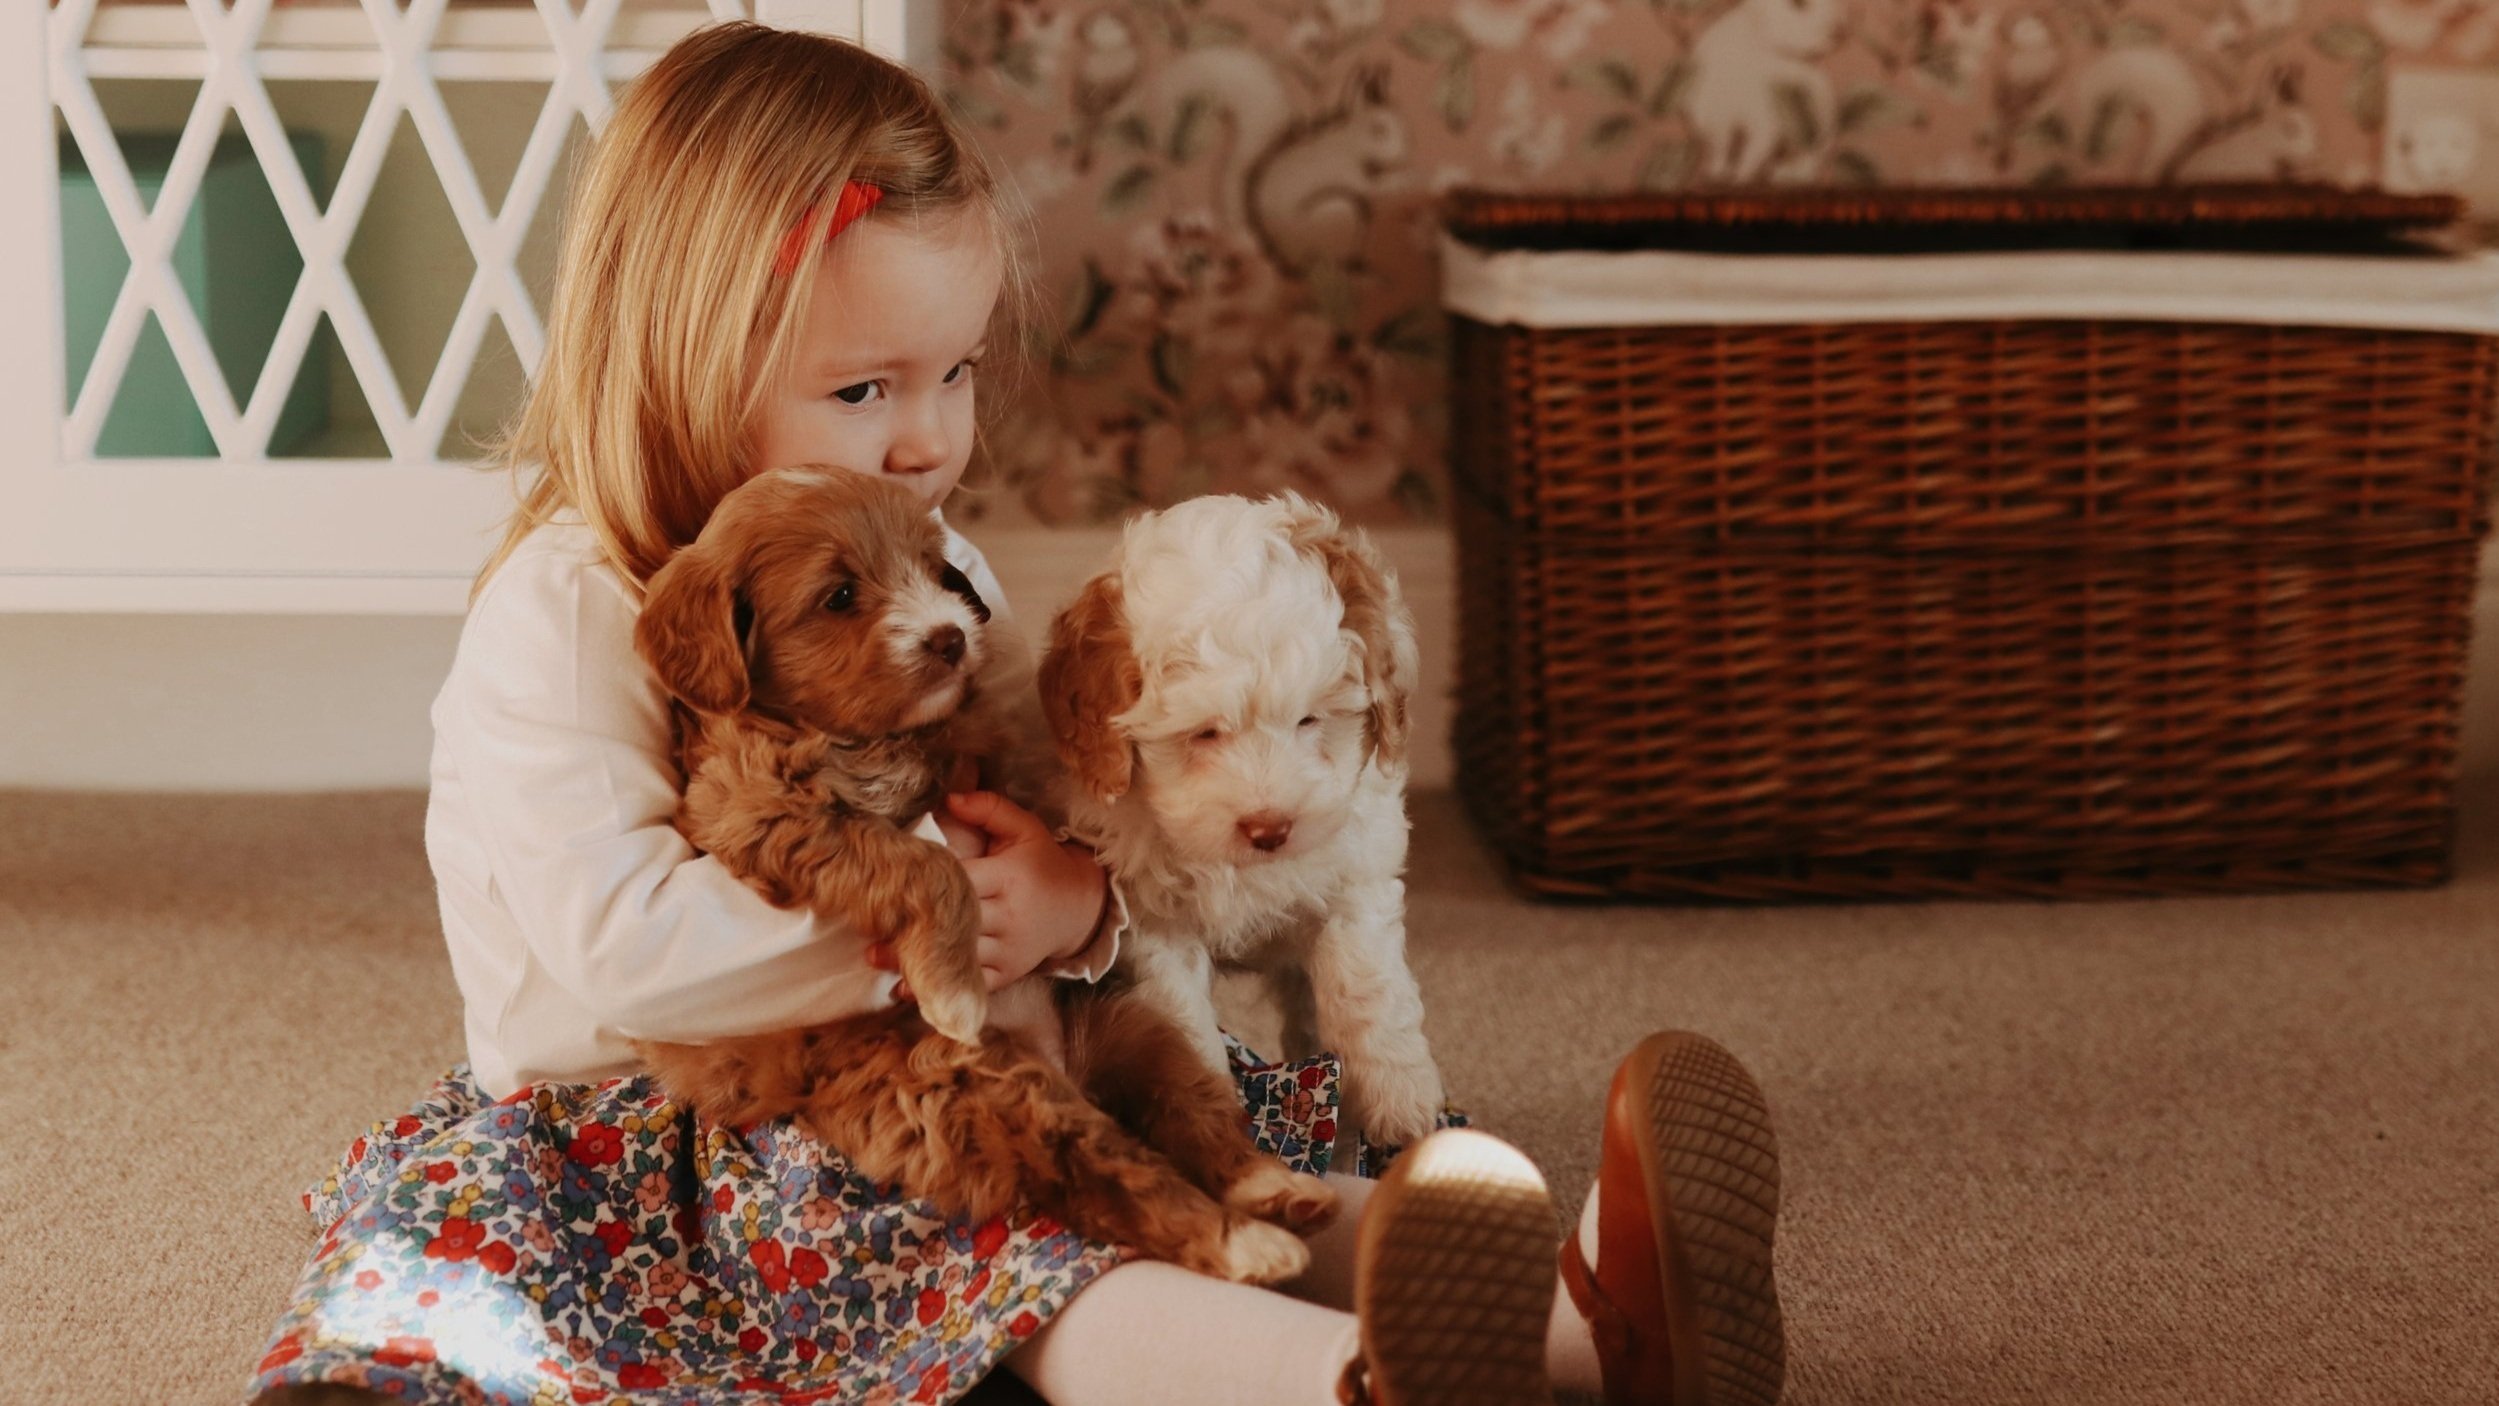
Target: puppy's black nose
[
  {"x": 946, "y": 642},
  {"x": 1266, "y": 830}
]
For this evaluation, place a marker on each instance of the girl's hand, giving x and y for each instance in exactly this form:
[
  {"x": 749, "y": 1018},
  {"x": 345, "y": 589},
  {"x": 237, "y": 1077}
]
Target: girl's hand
[
  {"x": 1040, "y": 899},
  {"x": 963, "y": 841}
]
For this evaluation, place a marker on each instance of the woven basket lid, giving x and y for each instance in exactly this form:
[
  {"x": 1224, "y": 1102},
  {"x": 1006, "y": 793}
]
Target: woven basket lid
[
  {"x": 2289, "y": 256},
  {"x": 2247, "y": 218}
]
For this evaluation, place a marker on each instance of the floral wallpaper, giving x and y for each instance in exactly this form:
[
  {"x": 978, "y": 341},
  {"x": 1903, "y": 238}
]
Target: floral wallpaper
[{"x": 1234, "y": 198}]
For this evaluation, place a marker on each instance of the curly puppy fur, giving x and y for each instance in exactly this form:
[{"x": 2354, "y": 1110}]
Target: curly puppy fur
[
  {"x": 1230, "y": 699},
  {"x": 834, "y": 675}
]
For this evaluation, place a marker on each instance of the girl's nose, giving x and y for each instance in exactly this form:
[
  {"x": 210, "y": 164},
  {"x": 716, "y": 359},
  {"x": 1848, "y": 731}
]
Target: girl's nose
[{"x": 920, "y": 444}]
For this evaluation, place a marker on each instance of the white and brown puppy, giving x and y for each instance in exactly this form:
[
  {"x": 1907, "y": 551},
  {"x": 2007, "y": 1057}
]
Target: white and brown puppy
[{"x": 1230, "y": 698}]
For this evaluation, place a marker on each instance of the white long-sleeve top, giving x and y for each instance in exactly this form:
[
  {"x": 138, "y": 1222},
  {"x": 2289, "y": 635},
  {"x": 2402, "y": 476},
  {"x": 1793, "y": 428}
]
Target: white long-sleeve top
[{"x": 576, "y": 915}]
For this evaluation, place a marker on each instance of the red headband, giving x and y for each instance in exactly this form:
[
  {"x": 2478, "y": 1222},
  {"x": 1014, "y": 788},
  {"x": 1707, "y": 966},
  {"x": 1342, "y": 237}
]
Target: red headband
[{"x": 857, "y": 198}]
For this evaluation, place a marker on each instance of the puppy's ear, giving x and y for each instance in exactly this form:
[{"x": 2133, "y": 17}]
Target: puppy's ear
[
  {"x": 1089, "y": 677},
  {"x": 692, "y": 632},
  {"x": 1376, "y": 616}
]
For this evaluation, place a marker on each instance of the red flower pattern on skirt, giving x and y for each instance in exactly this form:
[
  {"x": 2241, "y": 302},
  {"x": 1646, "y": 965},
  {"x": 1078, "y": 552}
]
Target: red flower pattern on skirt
[{"x": 595, "y": 1243}]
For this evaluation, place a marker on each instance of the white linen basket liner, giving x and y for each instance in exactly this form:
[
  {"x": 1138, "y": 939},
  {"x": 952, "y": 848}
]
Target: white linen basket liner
[{"x": 1647, "y": 288}]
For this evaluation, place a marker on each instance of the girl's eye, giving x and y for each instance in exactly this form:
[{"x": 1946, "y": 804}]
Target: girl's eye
[
  {"x": 843, "y": 598},
  {"x": 962, "y": 371},
  {"x": 861, "y": 394}
]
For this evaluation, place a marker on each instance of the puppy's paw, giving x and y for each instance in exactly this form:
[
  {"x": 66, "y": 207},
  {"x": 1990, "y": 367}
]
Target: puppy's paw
[
  {"x": 945, "y": 983},
  {"x": 1255, "y": 1252},
  {"x": 1275, "y": 1193},
  {"x": 958, "y": 1014},
  {"x": 1393, "y": 1104}
]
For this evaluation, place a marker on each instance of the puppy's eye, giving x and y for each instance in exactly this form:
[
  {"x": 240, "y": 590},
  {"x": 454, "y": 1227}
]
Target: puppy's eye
[
  {"x": 843, "y": 598},
  {"x": 1312, "y": 721},
  {"x": 1208, "y": 734}
]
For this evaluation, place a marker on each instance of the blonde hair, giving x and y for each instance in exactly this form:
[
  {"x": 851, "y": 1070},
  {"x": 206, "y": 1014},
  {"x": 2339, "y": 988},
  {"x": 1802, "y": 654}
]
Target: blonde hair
[{"x": 670, "y": 325}]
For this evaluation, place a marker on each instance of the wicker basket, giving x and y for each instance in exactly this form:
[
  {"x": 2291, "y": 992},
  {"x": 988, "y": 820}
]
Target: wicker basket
[{"x": 1881, "y": 606}]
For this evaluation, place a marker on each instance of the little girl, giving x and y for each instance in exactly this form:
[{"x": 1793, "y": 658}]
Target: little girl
[{"x": 781, "y": 253}]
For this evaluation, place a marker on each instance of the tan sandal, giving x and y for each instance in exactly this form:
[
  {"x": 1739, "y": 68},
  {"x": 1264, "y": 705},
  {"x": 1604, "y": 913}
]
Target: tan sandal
[
  {"x": 1453, "y": 1279},
  {"x": 1682, "y": 1300}
]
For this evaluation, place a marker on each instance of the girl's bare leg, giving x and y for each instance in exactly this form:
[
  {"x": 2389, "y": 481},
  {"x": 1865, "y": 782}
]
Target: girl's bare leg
[{"x": 1152, "y": 1333}]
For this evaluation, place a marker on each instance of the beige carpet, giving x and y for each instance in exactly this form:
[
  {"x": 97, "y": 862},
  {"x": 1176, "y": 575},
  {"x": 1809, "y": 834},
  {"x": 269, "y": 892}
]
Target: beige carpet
[{"x": 2241, "y": 1150}]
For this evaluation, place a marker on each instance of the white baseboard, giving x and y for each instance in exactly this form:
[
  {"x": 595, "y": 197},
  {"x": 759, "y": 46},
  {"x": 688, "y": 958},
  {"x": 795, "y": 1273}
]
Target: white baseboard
[{"x": 191, "y": 703}]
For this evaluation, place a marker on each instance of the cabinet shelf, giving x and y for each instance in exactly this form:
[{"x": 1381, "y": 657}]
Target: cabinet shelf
[
  {"x": 387, "y": 520},
  {"x": 494, "y": 42}
]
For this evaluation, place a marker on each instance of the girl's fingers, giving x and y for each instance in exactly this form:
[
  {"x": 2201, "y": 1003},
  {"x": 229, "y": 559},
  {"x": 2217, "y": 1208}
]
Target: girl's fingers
[
  {"x": 964, "y": 841},
  {"x": 995, "y": 814},
  {"x": 997, "y": 964},
  {"x": 973, "y": 807},
  {"x": 989, "y": 878}
]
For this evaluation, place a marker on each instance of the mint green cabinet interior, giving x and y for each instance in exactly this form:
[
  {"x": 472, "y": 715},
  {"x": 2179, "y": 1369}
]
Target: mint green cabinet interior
[{"x": 236, "y": 260}]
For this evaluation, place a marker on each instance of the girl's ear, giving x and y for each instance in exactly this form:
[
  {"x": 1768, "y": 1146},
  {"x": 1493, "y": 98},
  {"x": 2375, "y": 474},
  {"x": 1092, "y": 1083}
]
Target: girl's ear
[
  {"x": 691, "y": 632},
  {"x": 1375, "y": 615},
  {"x": 1090, "y": 677}
]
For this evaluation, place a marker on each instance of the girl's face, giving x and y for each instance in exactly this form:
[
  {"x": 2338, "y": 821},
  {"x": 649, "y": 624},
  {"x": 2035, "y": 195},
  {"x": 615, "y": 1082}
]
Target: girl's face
[{"x": 881, "y": 380}]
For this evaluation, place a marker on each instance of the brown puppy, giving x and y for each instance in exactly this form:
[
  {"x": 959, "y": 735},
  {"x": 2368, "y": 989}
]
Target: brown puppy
[{"x": 833, "y": 675}]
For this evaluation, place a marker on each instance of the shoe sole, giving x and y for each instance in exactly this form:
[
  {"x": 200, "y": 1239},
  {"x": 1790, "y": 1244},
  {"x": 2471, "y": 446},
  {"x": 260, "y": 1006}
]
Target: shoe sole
[
  {"x": 1709, "y": 1157},
  {"x": 1454, "y": 1276}
]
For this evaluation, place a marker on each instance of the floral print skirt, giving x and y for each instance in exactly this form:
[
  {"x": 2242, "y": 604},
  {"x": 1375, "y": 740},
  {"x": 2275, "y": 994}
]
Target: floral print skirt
[{"x": 597, "y": 1243}]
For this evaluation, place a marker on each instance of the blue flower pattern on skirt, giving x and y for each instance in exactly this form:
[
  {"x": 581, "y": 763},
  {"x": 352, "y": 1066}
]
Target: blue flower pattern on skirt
[{"x": 597, "y": 1243}]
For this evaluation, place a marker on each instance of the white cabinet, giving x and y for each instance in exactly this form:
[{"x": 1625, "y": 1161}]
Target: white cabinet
[{"x": 420, "y": 327}]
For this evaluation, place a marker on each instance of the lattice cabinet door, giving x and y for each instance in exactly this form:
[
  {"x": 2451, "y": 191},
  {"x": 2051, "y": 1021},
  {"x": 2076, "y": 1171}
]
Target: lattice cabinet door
[{"x": 275, "y": 270}]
